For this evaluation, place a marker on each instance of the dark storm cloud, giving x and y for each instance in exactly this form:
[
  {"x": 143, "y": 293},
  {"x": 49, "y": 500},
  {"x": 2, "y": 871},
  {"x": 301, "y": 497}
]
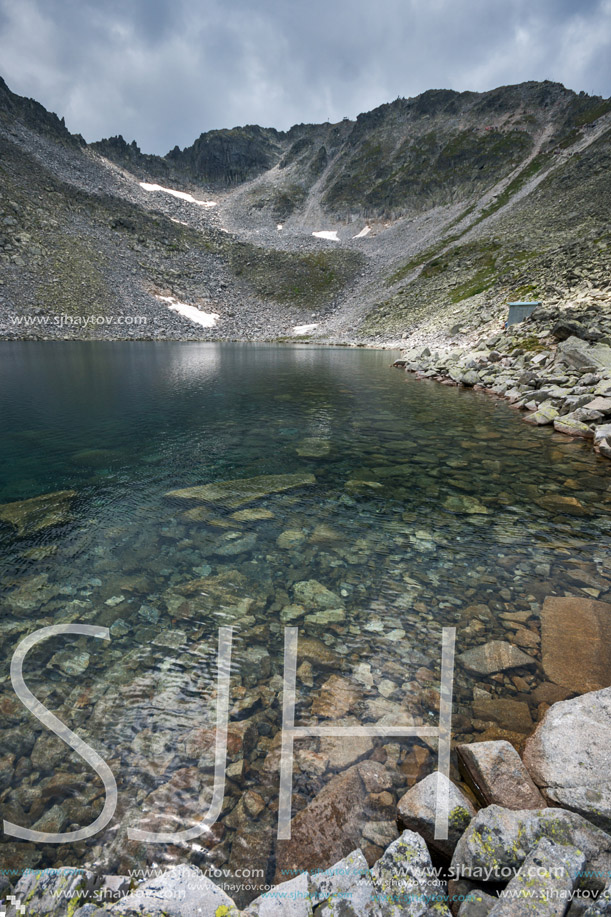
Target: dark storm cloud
[{"x": 162, "y": 71}]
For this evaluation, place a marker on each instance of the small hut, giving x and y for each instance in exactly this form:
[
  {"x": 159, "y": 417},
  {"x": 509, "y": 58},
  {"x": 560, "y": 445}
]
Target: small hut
[{"x": 519, "y": 311}]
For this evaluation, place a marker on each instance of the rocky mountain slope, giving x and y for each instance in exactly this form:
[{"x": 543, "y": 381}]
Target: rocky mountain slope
[{"x": 432, "y": 212}]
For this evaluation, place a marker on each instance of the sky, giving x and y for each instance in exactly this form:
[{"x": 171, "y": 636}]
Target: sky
[{"x": 163, "y": 71}]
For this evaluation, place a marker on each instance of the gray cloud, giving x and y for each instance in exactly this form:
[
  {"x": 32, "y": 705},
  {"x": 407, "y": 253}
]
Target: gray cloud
[{"x": 163, "y": 71}]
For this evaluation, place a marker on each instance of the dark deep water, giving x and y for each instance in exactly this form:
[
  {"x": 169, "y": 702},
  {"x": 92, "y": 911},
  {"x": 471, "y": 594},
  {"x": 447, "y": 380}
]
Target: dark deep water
[{"x": 426, "y": 511}]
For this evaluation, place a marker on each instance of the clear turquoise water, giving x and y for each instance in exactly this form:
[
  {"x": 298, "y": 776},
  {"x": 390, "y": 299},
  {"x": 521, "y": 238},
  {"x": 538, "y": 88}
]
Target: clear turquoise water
[{"x": 123, "y": 424}]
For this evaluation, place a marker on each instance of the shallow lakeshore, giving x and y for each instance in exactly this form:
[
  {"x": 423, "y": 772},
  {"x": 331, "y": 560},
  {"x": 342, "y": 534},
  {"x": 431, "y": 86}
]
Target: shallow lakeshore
[{"x": 419, "y": 507}]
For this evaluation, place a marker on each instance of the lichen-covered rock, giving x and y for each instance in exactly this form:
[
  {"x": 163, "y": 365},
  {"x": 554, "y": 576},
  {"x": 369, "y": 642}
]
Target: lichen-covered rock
[
  {"x": 498, "y": 841},
  {"x": 572, "y": 426},
  {"x": 569, "y": 756},
  {"x": 53, "y": 892},
  {"x": 403, "y": 880},
  {"x": 418, "y": 807},
  {"x": 183, "y": 891},
  {"x": 543, "y": 886},
  {"x": 546, "y": 413},
  {"x": 346, "y": 888},
  {"x": 495, "y": 772}
]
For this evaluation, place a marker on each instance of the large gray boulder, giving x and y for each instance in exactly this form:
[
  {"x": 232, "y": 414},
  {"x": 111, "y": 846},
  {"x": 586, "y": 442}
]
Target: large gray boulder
[
  {"x": 417, "y": 810},
  {"x": 53, "y": 892},
  {"x": 544, "y": 884},
  {"x": 582, "y": 355},
  {"x": 495, "y": 772},
  {"x": 404, "y": 883},
  {"x": 569, "y": 756},
  {"x": 182, "y": 891},
  {"x": 498, "y": 840}
]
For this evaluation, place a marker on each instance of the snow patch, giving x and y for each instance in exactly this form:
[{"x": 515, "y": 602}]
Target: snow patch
[
  {"x": 364, "y": 232},
  {"x": 182, "y": 195},
  {"x": 330, "y": 234},
  {"x": 304, "y": 329},
  {"x": 207, "y": 319}
]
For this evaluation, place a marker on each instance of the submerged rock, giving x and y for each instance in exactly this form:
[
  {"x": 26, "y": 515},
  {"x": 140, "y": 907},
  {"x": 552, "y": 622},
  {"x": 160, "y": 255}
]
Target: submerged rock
[
  {"x": 464, "y": 504},
  {"x": 326, "y": 616},
  {"x": 252, "y": 514},
  {"x": 312, "y": 593},
  {"x": 336, "y": 697},
  {"x": 37, "y": 513},
  {"x": 231, "y": 494},
  {"x": 232, "y": 544},
  {"x": 576, "y": 642},
  {"x": 569, "y": 756},
  {"x": 290, "y": 539},
  {"x": 327, "y": 829},
  {"x": 562, "y": 504},
  {"x": 313, "y": 447},
  {"x": 494, "y": 656}
]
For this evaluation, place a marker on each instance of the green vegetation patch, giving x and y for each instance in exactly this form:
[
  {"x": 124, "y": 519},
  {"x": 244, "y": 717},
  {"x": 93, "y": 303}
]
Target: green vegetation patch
[{"x": 305, "y": 279}]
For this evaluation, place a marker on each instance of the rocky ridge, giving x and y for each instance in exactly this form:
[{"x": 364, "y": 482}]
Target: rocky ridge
[{"x": 434, "y": 212}]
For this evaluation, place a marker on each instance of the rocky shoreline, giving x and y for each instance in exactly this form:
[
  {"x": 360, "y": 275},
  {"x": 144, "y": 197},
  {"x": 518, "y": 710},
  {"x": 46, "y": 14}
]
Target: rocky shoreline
[
  {"x": 525, "y": 836},
  {"x": 555, "y": 366}
]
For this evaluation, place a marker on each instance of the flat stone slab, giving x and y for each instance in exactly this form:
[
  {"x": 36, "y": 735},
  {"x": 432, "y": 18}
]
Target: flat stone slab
[
  {"x": 290, "y": 899},
  {"x": 576, "y": 642},
  {"x": 496, "y": 774},
  {"x": 495, "y": 656},
  {"x": 231, "y": 494},
  {"x": 37, "y": 513},
  {"x": 569, "y": 756}
]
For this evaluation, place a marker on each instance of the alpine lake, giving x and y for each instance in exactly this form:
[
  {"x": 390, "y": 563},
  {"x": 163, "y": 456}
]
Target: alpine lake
[{"x": 366, "y": 508}]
